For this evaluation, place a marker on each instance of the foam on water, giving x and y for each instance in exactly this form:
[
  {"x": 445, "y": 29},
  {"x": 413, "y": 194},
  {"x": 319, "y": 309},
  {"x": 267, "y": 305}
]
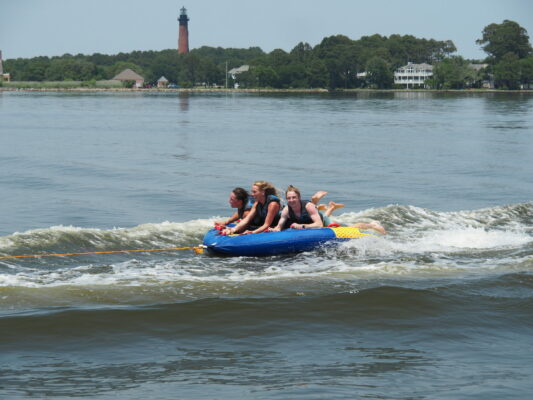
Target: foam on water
[
  {"x": 69, "y": 237},
  {"x": 459, "y": 239},
  {"x": 421, "y": 243}
]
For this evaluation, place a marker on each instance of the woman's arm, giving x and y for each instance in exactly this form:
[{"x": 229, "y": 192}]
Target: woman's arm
[
  {"x": 244, "y": 222},
  {"x": 273, "y": 209},
  {"x": 284, "y": 217},
  {"x": 315, "y": 216},
  {"x": 234, "y": 217}
]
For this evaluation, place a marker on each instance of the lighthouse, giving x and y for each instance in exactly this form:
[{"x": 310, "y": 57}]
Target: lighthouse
[{"x": 183, "y": 38}]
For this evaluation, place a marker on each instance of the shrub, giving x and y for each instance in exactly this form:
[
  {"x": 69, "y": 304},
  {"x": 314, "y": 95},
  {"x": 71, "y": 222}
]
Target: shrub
[
  {"x": 128, "y": 84},
  {"x": 91, "y": 83}
]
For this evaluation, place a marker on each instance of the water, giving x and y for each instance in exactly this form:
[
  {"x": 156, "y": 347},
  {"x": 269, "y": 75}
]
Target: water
[{"x": 440, "y": 308}]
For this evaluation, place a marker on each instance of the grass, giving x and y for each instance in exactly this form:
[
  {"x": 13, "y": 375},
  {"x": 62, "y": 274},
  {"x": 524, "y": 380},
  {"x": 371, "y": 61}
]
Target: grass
[{"x": 62, "y": 84}]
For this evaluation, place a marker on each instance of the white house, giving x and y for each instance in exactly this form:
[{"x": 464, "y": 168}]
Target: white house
[
  {"x": 413, "y": 74},
  {"x": 236, "y": 71}
]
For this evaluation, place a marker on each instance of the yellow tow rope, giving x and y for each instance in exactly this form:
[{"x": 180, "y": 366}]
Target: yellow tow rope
[{"x": 197, "y": 249}]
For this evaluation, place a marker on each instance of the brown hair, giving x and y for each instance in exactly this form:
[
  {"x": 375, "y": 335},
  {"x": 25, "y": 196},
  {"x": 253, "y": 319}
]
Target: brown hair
[
  {"x": 241, "y": 194},
  {"x": 293, "y": 189},
  {"x": 266, "y": 187}
]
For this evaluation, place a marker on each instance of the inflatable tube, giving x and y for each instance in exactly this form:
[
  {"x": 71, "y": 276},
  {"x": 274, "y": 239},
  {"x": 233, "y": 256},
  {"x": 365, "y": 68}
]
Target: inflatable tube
[{"x": 273, "y": 243}]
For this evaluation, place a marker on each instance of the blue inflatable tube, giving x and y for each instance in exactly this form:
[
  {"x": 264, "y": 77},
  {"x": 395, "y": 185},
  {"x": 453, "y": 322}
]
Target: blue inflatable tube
[{"x": 273, "y": 243}]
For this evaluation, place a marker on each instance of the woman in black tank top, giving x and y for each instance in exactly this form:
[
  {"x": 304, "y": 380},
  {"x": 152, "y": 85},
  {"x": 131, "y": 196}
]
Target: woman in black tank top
[
  {"x": 240, "y": 200},
  {"x": 298, "y": 214},
  {"x": 294, "y": 216},
  {"x": 265, "y": 212}
]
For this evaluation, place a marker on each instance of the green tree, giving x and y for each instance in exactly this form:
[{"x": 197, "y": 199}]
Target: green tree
[
  {"x": 318, "y": 74},
  {"x": 190, "y": 72},
  {"x": 330, "y": 51},
  {"x": 379, "y": 73},
  {"x": 128, "y": 84},
  {"x": 278, "y": 58},
  {"x": 329, "y": 43},
  {"x": 23, "y": 69},
  {"x": 508, "y": 37},
  {"x": 165, "y": 64},
  {"x": 208, "y": 72},
  {"x": 296, "y": 75},
  {"x": 234, "y": 57},
  {"x": 333, "y": 63},
  {"x": 302, "y": 52},
  {"x": 453, "y": 73},
  {"x": 342, "y": 58},
  {"x": 507, "y": 72},
  {"x": 409, "y": 48},
  {"x": 266, "y": 76},
  {"x": 61, "y": 69},
  {"x": 35, "y": 70},
  {"x": 247, "y": 79},
  {"x": 526, "y": 70}
]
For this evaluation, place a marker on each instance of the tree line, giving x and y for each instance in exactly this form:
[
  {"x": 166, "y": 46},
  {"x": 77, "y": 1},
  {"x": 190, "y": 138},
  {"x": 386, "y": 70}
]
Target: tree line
[
  {"x": 334, "y": 63},
  {"x": 509, "y": 61}
]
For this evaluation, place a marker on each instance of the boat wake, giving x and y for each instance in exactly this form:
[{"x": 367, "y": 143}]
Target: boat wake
[{"x": 421, "y": 244}]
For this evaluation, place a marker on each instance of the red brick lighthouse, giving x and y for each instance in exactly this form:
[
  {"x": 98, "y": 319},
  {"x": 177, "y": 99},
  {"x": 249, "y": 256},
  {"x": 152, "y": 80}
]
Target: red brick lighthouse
[{"x": 183, "y": 39}]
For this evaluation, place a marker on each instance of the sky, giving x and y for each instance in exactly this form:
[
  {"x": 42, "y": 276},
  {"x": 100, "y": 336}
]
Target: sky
[{"x": 30, "y": 28}]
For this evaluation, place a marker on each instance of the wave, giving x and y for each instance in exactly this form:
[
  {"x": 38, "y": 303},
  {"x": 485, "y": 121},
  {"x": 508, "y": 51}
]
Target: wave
[
  {"x": 69, "y": 238},
  {"x": 414, "y": 229},
  {"x": 264, "y": 343},
  {"x": 346, "y": 308},
  {"x": 421, "y": 244},
  {"x": 485, "y": 228}
]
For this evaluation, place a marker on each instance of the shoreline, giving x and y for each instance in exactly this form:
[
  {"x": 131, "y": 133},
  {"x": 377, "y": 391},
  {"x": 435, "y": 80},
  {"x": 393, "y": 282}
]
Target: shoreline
[{"x": 287, "y": 91}]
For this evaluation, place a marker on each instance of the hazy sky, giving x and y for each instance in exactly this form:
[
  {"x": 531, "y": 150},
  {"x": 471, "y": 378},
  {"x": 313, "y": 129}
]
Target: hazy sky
[{"x": 30, "y": 28}]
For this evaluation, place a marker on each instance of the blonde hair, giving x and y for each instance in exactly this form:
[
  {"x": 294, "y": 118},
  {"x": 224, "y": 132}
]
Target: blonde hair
[
  {"x": 293, "y": 189},
  {"x": 266, "y": 187}
]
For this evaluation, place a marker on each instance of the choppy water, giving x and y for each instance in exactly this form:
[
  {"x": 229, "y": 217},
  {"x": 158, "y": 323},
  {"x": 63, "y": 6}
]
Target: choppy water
[{"x": 441, "y": 307}]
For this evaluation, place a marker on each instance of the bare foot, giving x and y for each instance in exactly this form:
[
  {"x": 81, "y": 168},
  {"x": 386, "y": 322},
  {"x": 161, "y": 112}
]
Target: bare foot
[
  {"x": 378, "y": 227},
  {"x": 332, "y": 206},
  {"x": 335, "y": 206},
  {"x": 317, "y": 196}
]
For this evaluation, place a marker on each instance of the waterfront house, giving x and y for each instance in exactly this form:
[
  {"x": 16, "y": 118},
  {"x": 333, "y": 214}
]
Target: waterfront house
[
  {"x": 236, "y": 71},
  {"x": 412, "y": 75},
  {"x": 129, "y": 75},
  {"x": 239, "y": 70}
]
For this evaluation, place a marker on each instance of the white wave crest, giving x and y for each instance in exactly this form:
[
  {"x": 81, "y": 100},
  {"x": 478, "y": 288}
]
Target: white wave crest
[
  {"x": 62, "y": 238},
  {"x": 461, "y": 239}
]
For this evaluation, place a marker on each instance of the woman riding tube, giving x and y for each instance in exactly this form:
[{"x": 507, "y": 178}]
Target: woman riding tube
[
  {"x": 265, "y": 212},
  {"x": 300, "y": 214},
  {"x": 240, "y": 200}
]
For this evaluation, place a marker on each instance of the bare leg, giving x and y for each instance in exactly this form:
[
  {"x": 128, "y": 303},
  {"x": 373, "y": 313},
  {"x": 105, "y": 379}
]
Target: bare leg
[
  {"x": 317, "y": 196},
  {"x": 332, "y": 206},
  {"x": 375, "y": 225}
]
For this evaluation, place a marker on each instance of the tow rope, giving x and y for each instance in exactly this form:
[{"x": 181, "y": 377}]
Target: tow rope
[{"x": 197, "y": 250}]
